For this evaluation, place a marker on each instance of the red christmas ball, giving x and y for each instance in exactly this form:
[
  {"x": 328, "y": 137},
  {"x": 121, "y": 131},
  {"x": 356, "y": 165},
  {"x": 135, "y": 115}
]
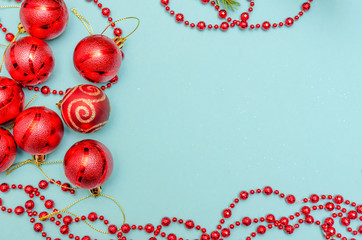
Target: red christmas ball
[
  {"x": 88, "y": 164},
  {"x": 12, "y": 100},
  {"x": 85, "y": 108},
  {"x": 38, "y": 130},
  {"x": 7, "y": 150},
  {"x": 97, "y": 58},
  {"x": 45, "y": 19},
  {"x": 29, "y": 61}
]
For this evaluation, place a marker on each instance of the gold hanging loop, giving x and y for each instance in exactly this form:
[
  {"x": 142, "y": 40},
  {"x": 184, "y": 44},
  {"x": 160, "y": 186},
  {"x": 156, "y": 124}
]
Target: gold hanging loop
[
  {"x": 85, "y": 22},
  {"x": 120, "y": 40}
]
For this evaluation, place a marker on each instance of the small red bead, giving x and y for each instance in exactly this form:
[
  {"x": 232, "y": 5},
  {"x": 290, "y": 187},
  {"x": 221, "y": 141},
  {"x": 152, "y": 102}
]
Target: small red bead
[
  {"x": 246, "y": 221},
  {"x": 289, "y": 229},
  {"x": 165, "y": 2},
  {"x": 289, "y": 22},
  {"x": 244, "y": 16},
  {"x": 166, "y": 221},
  {"x": 112, "y": 229},
  {"x": 290, "y": 199},
  {"x": 49, "y": 204},
  {"x": 223, "y": 13},
  {"x": 225, "y": 232},
  {"x": 261, "y": 230},
  {"x": 45, "y": 90},
  {"x": 19, "y": 210},
  {"x": 201, "y": 25},
  {"x": 9, "y": 37},
  {"x": 64, "y": 229},
  {"x": 224, "y": 26},
  {"x": 106, "y": 12},
  {"x": 117, "y": 32},
  {"x": 29, "y": 205},
  {"x": 266, "y": 25},
  {"x": 92, "y": 216},
  {"x": 38, "y": 227},
  {"x": 179, "y": 17},
  {"x": 306, "y": 6}
]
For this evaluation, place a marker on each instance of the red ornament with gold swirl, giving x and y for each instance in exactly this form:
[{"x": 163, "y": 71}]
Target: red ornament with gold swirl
[{"x": 85, "y": 108}]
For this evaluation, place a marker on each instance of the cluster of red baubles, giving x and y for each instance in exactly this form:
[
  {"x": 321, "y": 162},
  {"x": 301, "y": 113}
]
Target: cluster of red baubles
[
  {"x": 262, "y": 224},
  {"x": 243, "y": 22},
  {"x": 85, "y": 108},
  {"x": 37, "y": 68}
]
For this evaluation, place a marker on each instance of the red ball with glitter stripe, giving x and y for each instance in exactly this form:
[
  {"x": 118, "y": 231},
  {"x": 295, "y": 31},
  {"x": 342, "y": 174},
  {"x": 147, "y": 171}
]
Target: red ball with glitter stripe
[
  {"x": 29, "y": 61},
  {"x": 44, "y": 19},
  {"x": 7, "y": 150},
  {"x": 11, "y": 100},
  {"x": 88, "y": 164},
  {"x": 97, "y": 58},
  {"x": 85, "y": 108},
  {"x": 38, "y": 130}
]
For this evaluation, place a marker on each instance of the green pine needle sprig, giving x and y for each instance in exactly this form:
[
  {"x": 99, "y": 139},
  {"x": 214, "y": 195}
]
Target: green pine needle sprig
[{"x": 228, "y": 4}]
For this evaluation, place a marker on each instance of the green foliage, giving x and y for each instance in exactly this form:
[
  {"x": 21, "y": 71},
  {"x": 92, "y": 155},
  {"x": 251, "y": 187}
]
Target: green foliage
[{"x": 228, "y": 4}]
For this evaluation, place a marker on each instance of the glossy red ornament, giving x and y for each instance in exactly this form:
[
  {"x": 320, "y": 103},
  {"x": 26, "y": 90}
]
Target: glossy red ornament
[
  {"x": 29, "y": 61},
  {"x": 97, "y": 58},
  {"x": 12, "y": 100},
  {"x": 38, "y": 130},
  {"x": 85, "y": 108},
  {"x": 88, "y": 164},
  {"x": 7, "y": 150},
  {"x": 45, "y": 19}
]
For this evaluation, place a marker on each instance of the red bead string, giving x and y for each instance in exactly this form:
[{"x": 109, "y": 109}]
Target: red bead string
[
  {"x": 340, "y": 210},
  {"x": 45, "y": 90},
  {"x": 243, "y": 22}
]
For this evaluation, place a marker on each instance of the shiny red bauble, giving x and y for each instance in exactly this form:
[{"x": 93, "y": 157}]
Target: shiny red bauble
[
  {"x": 38, "y": 130},
  {"x": 85, "y": 108},
  {"x": 29, "y": 61},
  {"x": 7, "y": 150},
  {"x": 45, "y": 19},
  {"x": 12, "y": 100},
  {"x": 97, "y": 58},
  {"x": 88, "y": 164}
]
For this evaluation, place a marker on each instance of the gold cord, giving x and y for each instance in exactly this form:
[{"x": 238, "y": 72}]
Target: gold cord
[
  {"x": 122, "y": 19},
  {"x": 27, "y": 105},
  {"x": 38, "y": 164},
  {"x": 10, "y": 6},
  {"x": 84, "y": 21},
  {"x": 70, "y": 213}
]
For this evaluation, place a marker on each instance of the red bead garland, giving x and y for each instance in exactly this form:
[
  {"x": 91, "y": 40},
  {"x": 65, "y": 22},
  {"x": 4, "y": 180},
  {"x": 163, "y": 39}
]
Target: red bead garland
[
  {"x": 261, "y": 225},
  {"x": 231, "y": 23}
]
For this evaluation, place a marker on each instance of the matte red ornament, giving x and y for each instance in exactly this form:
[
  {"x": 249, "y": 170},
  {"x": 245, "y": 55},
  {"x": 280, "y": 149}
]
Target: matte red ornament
[
  {"x": 12, "y": 100},
  {"x": 85, "y": 108},
  {"x": 45, "y": 19},
  {"x": 7, "y": 150},
  {"x": 88, "y": 164},
  {"x": 38, "y": 130},
  {"x": 29, "y": 61},
  {"x": 97, "y": 58}
]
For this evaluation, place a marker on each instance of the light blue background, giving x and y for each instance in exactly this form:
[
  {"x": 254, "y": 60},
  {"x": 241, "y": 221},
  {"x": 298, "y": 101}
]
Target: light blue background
[{"x": 198, "y": 117}]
